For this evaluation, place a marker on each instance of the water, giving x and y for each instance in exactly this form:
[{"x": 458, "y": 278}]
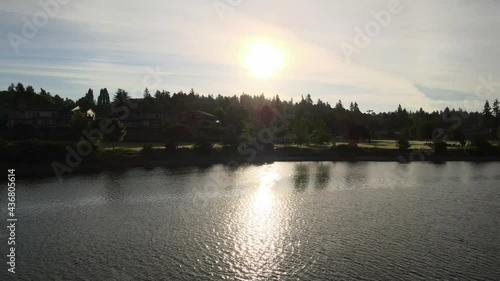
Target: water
[{"x": 282, "y": 221}]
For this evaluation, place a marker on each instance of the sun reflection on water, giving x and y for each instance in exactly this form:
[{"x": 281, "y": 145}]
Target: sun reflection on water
[
  {"x": 259, "y": 241},
  {"x": 263, "y": 198}
]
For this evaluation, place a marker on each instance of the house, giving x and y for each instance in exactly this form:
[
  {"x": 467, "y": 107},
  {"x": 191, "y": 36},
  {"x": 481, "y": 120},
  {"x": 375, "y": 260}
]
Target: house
[
  {"x": 90, "y": 114},
  {"x": 43, "y": 116},
  {"x": 201, "y": 123},
  {"x": 9, "y": 116},
  {"x": 143, "y": 122},
  {"x": 48, "y": 121}
]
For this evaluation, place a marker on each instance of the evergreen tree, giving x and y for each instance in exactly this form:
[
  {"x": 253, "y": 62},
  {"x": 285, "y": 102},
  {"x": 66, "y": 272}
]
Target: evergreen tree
[
  {"x": 496, "y": 109},
  {"x": 487, "y": 109},
  {"x": 90, "y": 98},
  {"x": 121, "y": 97},
  {"x": 487, "y": 120},
  {"x": 11, "y": 89},
  {"x": 20, "y": 88},
  {"x": 30, "y": 91},
  {"x": 339, "y": 105}
]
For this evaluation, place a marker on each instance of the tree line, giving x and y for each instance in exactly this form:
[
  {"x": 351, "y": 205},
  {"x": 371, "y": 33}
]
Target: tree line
[{"x": 312, "y": 122}]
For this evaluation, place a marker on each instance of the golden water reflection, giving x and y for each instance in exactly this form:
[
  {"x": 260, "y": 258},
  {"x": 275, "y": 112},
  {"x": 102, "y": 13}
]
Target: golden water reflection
[{"x": 259, "y": 243}]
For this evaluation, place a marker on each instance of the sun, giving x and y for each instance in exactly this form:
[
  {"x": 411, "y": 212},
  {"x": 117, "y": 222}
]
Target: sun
[{"x": 263, "y": 59}]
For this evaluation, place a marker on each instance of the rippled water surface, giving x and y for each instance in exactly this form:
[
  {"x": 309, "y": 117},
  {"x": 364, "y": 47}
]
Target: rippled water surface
[{"x": 282, "y": 221}]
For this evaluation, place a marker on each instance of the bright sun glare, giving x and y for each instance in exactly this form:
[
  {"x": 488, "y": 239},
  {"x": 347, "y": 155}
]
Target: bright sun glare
[{"x": 263, "y": 59}]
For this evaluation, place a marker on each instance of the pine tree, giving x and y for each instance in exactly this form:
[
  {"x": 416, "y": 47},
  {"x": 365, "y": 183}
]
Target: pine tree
[
  {"x": 339, "y": 105},
  {"x": 20, "y": 88},
  {"x": 400, "y": 109},
  {"x": 147, "y": 95},
  {"x": 12, "y": 88},
  {"x": 496, "y": 109},
  {"x": 90, "y": 97},
  {"x": 487, "y": 116},
  {"x": 487, "y": 109}
]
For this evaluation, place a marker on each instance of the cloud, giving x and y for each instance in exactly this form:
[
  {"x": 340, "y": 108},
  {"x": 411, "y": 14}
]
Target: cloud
[{"x": 440, "y": 46}]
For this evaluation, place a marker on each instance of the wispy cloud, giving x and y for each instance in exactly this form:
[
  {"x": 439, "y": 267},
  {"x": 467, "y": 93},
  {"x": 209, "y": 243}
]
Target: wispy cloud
[{"x": 441, "y": 46}]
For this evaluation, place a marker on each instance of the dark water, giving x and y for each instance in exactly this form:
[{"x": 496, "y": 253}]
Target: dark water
[{"x": 283, "y": 221}]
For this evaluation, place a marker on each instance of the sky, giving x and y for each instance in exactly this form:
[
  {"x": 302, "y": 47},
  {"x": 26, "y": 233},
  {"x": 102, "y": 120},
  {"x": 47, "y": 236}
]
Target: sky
[{"x": 378, "y": 53}]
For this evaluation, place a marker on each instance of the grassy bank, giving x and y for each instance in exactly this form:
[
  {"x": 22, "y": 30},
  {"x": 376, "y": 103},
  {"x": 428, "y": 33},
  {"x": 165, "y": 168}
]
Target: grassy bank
[
  {"x": 38, "y": 160},
  {"x": 375, "y": 144}
]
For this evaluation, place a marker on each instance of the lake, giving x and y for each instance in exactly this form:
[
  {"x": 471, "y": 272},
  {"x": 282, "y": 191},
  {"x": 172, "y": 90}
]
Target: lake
[{"x": 281, "y": 221}]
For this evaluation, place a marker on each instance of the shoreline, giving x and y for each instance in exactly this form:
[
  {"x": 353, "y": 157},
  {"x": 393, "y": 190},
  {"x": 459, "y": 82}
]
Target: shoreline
[{"x": 94, "y": 165}]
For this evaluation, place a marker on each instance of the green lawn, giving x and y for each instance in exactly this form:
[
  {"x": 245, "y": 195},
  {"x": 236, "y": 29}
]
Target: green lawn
[
  {"x": 137, "y": 146},
  {"x": 380, "y": 144}
]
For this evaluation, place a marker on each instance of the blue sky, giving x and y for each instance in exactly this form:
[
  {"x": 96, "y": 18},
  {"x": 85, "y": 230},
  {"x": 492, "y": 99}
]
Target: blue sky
[{"x": 429, "y": 54}]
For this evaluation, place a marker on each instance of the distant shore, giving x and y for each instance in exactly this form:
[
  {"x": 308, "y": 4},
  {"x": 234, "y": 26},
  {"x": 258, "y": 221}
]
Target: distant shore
[{"x": 190, "y": 159}]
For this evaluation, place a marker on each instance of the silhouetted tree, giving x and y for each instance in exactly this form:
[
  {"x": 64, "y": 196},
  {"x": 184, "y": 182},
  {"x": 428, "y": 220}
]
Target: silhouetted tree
[
  {"x": 118, "y": 131},
  {"x": 403, "y": 144},
  {"x": 121, "y": 97},
  {"x": 77, "y": 124}
]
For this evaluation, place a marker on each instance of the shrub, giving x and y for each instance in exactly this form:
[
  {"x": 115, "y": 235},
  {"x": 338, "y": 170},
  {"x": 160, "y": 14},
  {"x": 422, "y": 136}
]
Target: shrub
[
  {"x": 403, "y": 144},
  {"x": 333, "y": 145},
  {"x": 34, "y": 150},
  {"x": 480, "y": 142},
  {"x": 440, "y": 147},
  {"x": 171, "y": 146},
  {"x": 346, "y": 150},
  {"x": 147, "y": 149},
  {"x": 94, "y": 142},
  {"x": 202, "y": 146}
]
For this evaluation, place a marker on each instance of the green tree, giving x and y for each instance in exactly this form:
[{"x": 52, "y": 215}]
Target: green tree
[
  {"x": 12, "y": 88},
  {"x": 320, "y": 134},
  {"x": 487, "y": 117},
  {"x": 118, "y": 131},
  {"x": 30, "y": 91},
  {"x": 121, "y": 97},
  {"x": 78, "y": 123},
  {"x": 148, "y": 102},
  {"x": 219, "y": 112},
  {"x": 174, "y": 134},
  {"x": 457, "y": 135},
  {"x": 424, "y": 130},
  {"x": 496, "y": 109},
  {"x": 103, "y": 107},
  {"x": 58, "y": 100},
  {"x": 20, "y": 88},
  {"x": 238, "y": 116},
  {"x": 301, "y": 131},
  {"x": 90, "y": 98},
  {"x": 339, "y": 106},
  {"x": 403, "y": 144}
]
